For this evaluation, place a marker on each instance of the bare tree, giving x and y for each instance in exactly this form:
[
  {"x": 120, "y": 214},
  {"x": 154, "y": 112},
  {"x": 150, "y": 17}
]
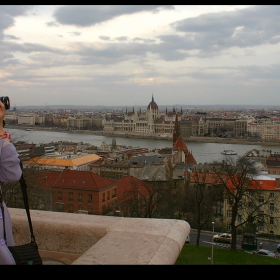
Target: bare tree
[
  {"x": 140, "y": 200},
  {"x": 241, "y": 194},
  {"x": 203, "y": 198}
]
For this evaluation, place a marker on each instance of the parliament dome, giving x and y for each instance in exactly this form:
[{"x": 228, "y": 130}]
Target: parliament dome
[{"x": 153, "y": 105}]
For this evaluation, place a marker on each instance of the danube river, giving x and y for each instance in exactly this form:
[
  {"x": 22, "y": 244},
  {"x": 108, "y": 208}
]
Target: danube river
[{"x": 202, "y": 152}]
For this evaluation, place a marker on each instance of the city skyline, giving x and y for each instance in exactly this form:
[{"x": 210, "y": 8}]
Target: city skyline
[{"x": 122, "y": 55}]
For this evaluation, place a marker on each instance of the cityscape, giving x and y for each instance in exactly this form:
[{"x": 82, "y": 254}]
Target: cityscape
[
  {"x": 155, "y": 121},
  {"x": 197, "y": 83},
  {"x": 116, "y": 162}
]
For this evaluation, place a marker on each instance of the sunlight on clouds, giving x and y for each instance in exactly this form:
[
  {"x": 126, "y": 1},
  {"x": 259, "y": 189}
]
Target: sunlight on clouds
[
  {"x": 237, "y": 30},
  {"x": 20, "y": 84},
  {"x": 4, "y": 74}
]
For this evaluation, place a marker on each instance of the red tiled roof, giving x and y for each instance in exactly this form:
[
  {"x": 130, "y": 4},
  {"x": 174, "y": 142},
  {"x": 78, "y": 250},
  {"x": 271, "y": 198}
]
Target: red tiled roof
[
  {"x": 212, "y": 178},
  {"x": 190, "y": 158},
  {"x": 180, "y": 145},
  {"x": 127, "y": 183},
  {"x": 75, "y": 179}
]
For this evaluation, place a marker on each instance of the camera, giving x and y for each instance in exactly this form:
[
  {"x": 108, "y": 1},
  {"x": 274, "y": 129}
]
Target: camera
[{"x": 6, "y": 101}]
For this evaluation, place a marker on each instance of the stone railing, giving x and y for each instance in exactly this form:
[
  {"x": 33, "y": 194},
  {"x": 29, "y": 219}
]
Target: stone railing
[{"x": 66, "y": 238}]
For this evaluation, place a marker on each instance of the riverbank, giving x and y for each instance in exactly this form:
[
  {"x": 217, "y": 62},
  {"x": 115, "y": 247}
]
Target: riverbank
[{"x": 197, "y": 139}]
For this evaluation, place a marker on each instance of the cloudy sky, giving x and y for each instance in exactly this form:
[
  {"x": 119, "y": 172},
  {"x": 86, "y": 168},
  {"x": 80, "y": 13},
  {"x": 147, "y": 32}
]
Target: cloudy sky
[{"x": 123, "y": 55}]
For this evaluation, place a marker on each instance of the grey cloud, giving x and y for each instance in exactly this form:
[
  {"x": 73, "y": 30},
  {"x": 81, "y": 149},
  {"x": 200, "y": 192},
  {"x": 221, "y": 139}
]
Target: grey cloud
[
  {"x": 26, "y": 48},
  {"x": 52, "y": 23},
  {"x": 6, "y": 57},
  {"x": 74, "y": 33},
  {"x": 5, "y": 22},
  {"x": 88, "y": 15},
  {"x": 15, "y": 10},
  {"x": 211, "y": 33},
  {"x": 122, "y": 38},
  {"x": 105, "y": 38},
  {"x": 137, "y": 39},
  {"x": 10, "y": 37}
]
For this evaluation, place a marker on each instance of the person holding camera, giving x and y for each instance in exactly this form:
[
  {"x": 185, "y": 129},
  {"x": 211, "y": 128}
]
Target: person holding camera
[{"x": 10, "y": 171}]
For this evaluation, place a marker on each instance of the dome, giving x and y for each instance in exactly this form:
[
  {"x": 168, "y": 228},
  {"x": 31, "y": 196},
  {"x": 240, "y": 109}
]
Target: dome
[{"x": 153, "y": 105}]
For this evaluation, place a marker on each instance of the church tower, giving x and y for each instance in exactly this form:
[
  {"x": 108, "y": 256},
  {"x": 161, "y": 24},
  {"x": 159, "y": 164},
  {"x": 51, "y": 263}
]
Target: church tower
[{"x": 176, "y": 130}]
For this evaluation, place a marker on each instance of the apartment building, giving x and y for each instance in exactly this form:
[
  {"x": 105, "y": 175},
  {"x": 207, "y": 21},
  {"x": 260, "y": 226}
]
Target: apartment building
[
  {"x": 265, "y": 196},
  {"x": 273, "y": 164},
  {"x": 75, "y": 191}
]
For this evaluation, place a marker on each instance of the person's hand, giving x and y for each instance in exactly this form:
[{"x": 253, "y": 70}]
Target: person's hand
[{"x": 2, "y": 116}]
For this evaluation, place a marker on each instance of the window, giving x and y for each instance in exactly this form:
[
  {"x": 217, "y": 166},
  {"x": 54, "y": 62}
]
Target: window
[
  {"x": 239, "y": 218},
  {"x": 80, "y": 207},
  {"x": 108, "y": 195},
  {"x": 271, "y": 220},
  {"x": 103, "y": 197},
  {"x": 59, "y": 207},
  {"x": 71, "y": 208},
  {"x": 261, "y": 199},
  {"x": 90, "y": 210},
  {"x": 59, "y": 195},
  {"x": 271, "y": 195},
  {"x": 229, "y": 213},
  {"x": 271, "y": 207},
  {"x": 80, "y": 197},
  {"x": 229, "y": 201},
  {"x": 229, "y": 227},
  {"x": 89, "y": 198},
  {"x": 260, "y": 228},
  {"x": 114, "y": 193},
  {"x": 71, "y": 197},
  {"x": 260, "y": 216}
]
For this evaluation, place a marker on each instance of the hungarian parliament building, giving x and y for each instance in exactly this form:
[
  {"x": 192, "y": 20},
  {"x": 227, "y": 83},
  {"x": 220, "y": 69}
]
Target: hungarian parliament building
[{"x": 150, "y": 122}]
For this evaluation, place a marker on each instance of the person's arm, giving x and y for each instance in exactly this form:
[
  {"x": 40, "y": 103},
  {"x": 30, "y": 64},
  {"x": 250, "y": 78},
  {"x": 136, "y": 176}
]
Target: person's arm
[{"x": 10, "y": 170}]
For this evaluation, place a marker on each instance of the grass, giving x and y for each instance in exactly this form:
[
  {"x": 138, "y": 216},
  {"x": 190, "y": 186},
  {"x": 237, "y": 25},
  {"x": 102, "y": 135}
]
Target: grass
[{"x": 198, "y": 255}]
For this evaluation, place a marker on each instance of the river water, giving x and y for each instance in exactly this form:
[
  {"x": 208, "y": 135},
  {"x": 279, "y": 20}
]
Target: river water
[{"x": 202, "y": 152}]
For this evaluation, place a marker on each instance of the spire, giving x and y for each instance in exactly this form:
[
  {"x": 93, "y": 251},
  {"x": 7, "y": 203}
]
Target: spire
[
  {"x": 176, "y": 130},
  {"x": 152, "y": 98}
]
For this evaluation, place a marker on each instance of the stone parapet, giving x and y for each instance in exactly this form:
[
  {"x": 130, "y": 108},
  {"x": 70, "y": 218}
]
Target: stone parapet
[{"x": 81, "y": 239}]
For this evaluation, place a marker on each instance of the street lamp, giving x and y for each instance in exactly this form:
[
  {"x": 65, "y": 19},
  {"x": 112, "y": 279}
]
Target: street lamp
[{"x": 212, "y": 256}]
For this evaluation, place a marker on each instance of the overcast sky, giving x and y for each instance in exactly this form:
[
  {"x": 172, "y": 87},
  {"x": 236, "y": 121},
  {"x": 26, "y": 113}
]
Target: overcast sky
[{"x": 123, "y": 55}]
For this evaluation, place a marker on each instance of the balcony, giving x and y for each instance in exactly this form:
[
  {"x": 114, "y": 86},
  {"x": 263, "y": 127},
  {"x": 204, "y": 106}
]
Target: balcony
[{"x": 80, "y": 239}]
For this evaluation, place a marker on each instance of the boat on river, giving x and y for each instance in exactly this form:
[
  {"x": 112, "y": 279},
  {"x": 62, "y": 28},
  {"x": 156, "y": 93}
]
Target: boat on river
[{"x": 228, "y": 152}]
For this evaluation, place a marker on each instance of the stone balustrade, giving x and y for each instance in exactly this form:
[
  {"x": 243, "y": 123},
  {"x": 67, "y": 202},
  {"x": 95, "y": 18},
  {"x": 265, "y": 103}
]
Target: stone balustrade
[{"x": 81, "y": 239}]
